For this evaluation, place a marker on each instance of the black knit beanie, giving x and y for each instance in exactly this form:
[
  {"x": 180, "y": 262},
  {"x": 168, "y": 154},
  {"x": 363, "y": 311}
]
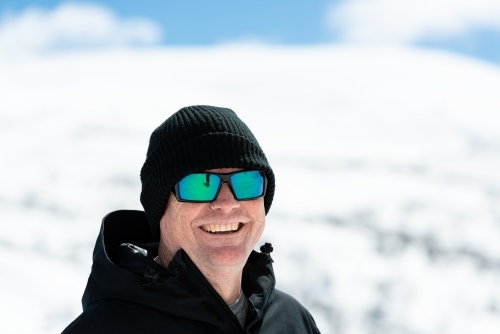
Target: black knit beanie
[{"x": 195, "y": 139}]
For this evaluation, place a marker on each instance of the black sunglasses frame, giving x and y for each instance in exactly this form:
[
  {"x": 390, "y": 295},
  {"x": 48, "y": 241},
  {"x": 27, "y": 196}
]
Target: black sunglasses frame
[{"x": 225, "y": 178}]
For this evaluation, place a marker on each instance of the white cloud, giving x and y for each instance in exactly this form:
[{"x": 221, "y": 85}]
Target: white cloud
[
  {"x": 73, "y": 24},
  {"x": 402, "y": 21}
]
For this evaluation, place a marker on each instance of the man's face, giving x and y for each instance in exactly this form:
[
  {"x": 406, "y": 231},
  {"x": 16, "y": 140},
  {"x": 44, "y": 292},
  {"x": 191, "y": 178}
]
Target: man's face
[{"x": 188, "y": 225}]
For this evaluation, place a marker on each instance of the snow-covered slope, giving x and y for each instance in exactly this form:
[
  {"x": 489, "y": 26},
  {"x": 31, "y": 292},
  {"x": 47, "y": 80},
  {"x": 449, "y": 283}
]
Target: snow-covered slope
[{"x": 387, "y": 212}]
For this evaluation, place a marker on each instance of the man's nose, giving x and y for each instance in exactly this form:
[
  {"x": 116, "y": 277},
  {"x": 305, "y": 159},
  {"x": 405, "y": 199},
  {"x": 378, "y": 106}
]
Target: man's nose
[{"x": 225, "y": 200}]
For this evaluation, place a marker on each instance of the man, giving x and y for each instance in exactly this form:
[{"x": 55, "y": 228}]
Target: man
[{"x": 186, "y": 264}]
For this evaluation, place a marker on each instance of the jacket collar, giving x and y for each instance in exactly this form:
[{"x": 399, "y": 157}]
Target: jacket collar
[{"x": 122, "y": 271}]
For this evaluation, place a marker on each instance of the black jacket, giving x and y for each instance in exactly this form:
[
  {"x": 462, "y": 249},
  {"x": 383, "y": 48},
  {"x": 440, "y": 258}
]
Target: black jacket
[{"x": 128, "y": 292}]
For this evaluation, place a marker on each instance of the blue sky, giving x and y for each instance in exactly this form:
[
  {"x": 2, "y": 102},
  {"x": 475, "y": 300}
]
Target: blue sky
[
  {"x": 206, "y": 22},
  {"x": 469, "y": 29}
]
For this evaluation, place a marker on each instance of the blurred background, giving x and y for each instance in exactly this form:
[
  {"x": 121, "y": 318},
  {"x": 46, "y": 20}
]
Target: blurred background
[{"x": 379, "y": 117}]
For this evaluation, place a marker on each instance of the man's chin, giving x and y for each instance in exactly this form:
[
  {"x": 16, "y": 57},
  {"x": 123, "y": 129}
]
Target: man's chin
[{"x": 226, "y": 256}]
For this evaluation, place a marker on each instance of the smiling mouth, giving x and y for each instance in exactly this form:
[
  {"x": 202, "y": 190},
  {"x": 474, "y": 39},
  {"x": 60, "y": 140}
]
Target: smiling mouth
[{"x": 222, "y": 229}]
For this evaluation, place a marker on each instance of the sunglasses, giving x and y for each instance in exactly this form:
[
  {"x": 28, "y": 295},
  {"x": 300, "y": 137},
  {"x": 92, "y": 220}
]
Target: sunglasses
[{"x": 204, "y": 187}]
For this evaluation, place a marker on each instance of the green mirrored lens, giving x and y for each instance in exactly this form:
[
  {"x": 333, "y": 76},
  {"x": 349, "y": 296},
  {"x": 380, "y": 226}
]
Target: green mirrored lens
[
  {"x": 249, "y": 184},
  {"x": 199, "y": 187}
]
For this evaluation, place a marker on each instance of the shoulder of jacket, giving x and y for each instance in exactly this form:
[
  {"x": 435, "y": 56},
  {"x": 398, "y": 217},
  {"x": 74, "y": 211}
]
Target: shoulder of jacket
[
  {"x": 114, "y": 316},
  {"x": 287, "y": 307},
  {"x": 82, "y": 323},
  {"x": 284, "y": 298}
]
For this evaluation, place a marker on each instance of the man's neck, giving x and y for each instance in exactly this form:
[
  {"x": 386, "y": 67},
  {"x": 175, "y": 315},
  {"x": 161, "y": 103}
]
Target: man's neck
[{"x": 226, "y": 281}]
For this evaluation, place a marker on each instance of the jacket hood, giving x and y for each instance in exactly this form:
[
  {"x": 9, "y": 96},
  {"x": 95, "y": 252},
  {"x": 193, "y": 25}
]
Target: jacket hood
[{"x": 124, "y": 269}]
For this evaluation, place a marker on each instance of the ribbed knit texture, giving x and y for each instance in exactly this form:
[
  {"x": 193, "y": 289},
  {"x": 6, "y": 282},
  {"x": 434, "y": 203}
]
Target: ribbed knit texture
[{"x": 195, "y": 139}]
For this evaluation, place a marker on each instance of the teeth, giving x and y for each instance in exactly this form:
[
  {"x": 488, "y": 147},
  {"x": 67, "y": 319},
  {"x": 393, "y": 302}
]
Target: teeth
[{"x": 220, "y": 228}]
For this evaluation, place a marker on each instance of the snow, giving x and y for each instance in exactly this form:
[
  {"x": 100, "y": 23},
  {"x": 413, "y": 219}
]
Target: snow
[{"x": 386, "y": 217}]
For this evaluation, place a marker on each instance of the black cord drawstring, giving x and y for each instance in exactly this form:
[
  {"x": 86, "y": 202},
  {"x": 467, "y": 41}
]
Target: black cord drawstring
[
  {"x": 267, "y": 248},
  {"x": 151, "y": 276}
]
